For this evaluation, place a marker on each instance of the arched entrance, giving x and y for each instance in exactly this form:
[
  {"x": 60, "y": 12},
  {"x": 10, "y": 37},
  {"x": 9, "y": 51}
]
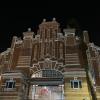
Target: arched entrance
[{"x": 47, "y": 85}]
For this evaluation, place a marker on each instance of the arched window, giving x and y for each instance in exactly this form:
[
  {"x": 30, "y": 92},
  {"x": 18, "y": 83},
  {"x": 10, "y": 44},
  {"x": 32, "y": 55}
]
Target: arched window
[{"x": 48, "y": 73}]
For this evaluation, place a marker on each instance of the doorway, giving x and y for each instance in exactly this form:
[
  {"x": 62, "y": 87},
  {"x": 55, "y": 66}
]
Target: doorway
[
  {"x": 47, "y": 92},
  {"x": 47, "y": 85}
]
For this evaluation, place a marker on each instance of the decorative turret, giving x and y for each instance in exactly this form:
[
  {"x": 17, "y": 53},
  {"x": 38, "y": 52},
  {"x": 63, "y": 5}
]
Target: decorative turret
[
  {"x": 69, "y": 31},
  {"x": 48, "y": 30},
  {"x": 26, "y": 51},
  {"x": 28, "y": 34},
  {"x": 86, "y": 37},
  {"x": 28, "y": 37},
  {"x": 70, "y": 36}
]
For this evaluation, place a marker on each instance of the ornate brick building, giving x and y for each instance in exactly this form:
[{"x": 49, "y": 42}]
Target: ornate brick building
[{"x": 51, "y": 65}]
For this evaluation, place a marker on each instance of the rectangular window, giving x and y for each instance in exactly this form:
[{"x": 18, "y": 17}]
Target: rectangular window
[
  {"x": 10, "y": 84},
  {"x": 76, "y": 84}
]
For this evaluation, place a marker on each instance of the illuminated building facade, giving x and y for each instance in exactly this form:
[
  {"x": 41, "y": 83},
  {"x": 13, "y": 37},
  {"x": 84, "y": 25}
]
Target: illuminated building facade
[{"x": 51, "y": 65}]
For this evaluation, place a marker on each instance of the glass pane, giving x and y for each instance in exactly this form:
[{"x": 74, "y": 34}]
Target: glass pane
[
  {"x": 80, "y": 84},
  {"x": 10, "y": 85},
  {"x": 75, "y": 84},
  {"x": 47, "y": 93},
  {"x": 51, "y": 73}
]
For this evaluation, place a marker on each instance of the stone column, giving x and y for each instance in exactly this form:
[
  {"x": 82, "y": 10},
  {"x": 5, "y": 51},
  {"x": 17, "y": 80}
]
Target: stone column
[
  {"x": 61, "y": 51},
  {"x": 35, "y": 52}
]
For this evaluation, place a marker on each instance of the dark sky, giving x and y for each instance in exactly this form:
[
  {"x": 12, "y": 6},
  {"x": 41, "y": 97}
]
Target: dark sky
[{"x": 14, "y": 21}]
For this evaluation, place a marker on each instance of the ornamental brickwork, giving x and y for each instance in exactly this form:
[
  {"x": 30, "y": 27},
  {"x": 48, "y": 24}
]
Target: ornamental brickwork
[{"x": 50, "y": 57}]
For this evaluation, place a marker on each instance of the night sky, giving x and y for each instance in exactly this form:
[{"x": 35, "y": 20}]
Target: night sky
[{"x": 14, "y": 21}]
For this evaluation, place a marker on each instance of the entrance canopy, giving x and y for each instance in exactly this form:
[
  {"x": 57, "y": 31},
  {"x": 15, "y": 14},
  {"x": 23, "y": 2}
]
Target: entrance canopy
[{"x": 46, "y": 81}]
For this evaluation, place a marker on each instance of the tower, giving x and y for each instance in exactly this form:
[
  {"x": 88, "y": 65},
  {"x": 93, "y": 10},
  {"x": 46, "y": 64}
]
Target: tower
[{"x": 50, "y": 65}]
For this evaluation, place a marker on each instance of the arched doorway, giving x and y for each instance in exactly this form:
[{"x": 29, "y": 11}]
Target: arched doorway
[{"x": 47, "y": 85}]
